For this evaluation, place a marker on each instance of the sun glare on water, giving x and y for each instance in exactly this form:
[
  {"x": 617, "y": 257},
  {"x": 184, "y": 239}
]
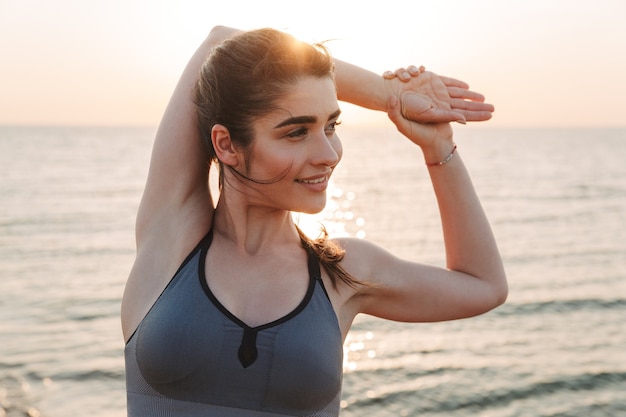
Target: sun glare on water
[{"x": 337, "y": 217}]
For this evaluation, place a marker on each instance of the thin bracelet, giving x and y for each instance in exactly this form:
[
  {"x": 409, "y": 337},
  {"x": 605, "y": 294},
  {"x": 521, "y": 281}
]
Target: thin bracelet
[{"x": 445, "y": 161}]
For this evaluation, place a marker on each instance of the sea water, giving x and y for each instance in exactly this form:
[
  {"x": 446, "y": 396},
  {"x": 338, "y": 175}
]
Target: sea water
[{"x": 556, "y": 199}]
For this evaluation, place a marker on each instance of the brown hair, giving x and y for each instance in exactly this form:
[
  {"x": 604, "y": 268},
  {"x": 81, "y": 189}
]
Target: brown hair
[
  {"x": 246, "y": 75},
  {"x": 243, "y": 79}
]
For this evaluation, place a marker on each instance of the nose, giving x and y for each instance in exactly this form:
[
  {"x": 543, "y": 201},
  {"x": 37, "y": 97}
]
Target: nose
[{"x": 328, "y": 150}]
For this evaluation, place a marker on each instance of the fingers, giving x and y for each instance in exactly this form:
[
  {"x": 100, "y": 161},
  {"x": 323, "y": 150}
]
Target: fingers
[
  {"x": 470, "y": 103},
  {"x": 404, "y": 74},
  {"x": 447, "y": 116},
  {"x": 460, "y": 104},
  {"x": 394, "y": 113},
  {"x": 422, "y": 134},
  {"x": 476, "y": 116},
  {"x": 394, "y": 110},
  {"x": 462, "y": 93},
  {"x": 415, "y": 107},
  {"x": 472, "y": 111},
  {"x": 456, "y": 88},
  {"x": 453, "y": 82},
  {"x": 401, "y": 73},
  {"x": 415, "y": 71}
]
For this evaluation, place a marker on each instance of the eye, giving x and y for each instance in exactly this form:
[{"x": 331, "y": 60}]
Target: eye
[
  {"x": 298, "y": 133},
  {"x": 332, "y": 127}
]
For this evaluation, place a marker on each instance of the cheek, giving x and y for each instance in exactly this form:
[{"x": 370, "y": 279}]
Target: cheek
[{"x": 272, "y": 163}]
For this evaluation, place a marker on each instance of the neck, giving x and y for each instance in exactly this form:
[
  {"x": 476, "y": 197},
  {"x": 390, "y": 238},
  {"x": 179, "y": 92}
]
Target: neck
[{"x": 253, "y": 229}]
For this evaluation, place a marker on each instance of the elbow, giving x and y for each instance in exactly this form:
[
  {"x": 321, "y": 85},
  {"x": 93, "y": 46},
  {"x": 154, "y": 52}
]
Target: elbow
[
  {"x": 219, "y": 33},
  {"x": 500, "y": 290},
  {"x": 219, "y": 30},
  {"x": 495, "y": 291},
  {"x": 491, "y": 298},
  {"x": 502, "y": 295}
]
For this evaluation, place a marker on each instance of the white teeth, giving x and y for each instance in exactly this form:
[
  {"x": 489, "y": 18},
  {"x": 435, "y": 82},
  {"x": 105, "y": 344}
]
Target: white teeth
[{"x": 317, "y": 181}]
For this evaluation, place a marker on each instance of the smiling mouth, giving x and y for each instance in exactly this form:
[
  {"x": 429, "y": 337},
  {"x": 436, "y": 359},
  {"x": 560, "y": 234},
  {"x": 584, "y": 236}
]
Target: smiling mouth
[{"x": 315, "y": 181}]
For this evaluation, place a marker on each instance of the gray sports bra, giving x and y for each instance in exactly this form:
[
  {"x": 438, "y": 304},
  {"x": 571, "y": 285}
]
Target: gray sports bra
[{"x": 191, "y": 357}]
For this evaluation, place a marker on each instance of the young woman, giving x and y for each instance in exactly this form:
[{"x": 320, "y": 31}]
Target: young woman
[{"x": 232, "y": 311}]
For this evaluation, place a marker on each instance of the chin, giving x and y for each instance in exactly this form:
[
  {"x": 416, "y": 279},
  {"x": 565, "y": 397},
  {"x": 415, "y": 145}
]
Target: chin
[{"x": 311, "y": 209}]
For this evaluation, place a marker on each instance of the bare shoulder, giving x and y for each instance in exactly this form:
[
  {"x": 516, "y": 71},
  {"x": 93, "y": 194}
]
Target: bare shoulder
[
  {"x": 360, "y": 261},
  {"x": 363, "y": 258}
]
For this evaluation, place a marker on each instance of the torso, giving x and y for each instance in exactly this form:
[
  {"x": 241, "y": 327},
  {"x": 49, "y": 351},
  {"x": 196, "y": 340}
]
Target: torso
[{"x": 190, "y": 348}]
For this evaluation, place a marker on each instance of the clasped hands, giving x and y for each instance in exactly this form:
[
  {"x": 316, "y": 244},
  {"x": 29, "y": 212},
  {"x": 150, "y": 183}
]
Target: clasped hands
[{"x": 428, "y": 98}]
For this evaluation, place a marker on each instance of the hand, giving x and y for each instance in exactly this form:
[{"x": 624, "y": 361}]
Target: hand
[
  {"x": 427, "y": 135},
  {"x": 428, "y": 98}
]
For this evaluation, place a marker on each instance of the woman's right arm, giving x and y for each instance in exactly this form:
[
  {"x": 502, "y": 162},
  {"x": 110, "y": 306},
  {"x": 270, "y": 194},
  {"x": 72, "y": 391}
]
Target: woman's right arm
[
  {"x": 177, "y": 184},
  {"x": 176, "y": 209}
]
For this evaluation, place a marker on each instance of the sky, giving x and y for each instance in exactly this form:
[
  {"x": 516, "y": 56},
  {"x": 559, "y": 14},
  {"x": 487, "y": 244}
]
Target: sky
[{"x": 115, "y": 62}]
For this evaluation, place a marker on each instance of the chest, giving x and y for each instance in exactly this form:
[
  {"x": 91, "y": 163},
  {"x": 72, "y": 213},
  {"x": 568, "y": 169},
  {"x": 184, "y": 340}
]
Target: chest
[
  {"x": 190, "y": 346},
  {"x": 256, "y": 295}
]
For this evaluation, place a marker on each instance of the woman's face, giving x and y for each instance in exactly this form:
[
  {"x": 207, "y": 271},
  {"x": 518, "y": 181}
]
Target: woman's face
[{"x": 295, "y": 149}]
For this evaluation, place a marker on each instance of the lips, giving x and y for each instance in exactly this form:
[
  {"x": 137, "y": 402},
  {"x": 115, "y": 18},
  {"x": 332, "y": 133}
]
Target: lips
[
  {"x": 315, "y": 181},
  {"x": 317, "y": 178}
]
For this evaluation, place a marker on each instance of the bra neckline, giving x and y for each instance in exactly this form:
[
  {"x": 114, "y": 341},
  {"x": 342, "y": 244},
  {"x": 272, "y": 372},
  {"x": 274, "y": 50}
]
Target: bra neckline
[{"x": 314, "y": 275}]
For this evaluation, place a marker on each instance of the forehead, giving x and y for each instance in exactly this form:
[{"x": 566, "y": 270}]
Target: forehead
[{"x": 309, "y": 96}]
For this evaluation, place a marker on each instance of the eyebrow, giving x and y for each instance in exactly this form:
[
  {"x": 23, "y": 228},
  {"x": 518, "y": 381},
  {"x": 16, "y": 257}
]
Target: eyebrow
[{"x": 304, "y": 119}]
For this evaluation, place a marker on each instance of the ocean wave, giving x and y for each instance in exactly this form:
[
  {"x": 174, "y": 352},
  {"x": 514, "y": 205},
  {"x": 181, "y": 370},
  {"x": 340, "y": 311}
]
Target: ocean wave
[
  {"x": 79, "y": 376},
  {"x": 560, "y": 306},
  {"x": 438, "y": 399}
]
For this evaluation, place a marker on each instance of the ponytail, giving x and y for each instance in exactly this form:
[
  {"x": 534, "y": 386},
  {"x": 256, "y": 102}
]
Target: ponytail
[{"x": 330, "y": 254}]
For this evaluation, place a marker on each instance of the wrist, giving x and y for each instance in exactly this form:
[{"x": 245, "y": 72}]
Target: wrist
[
  {"x": 386, "y": 91},
  {"x": 439, "y": 153},
  {"x": 396, "y": 84}
]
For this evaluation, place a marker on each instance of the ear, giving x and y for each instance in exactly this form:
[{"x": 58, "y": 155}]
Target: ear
[{"x": 223, "y": 146}]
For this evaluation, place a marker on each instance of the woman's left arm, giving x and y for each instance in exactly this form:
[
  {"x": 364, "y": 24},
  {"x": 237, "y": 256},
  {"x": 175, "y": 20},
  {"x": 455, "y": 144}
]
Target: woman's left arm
[{"x": 473, "y": 281}]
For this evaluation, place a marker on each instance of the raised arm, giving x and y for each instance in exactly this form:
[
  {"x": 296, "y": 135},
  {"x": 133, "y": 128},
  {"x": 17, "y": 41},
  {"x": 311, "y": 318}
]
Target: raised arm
[
  {"x": 473, "y": 281},
  {"x": 178, "y": 174},
  {"x": 176, "y": 207},
  {"x": 424, "y": 96}
]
